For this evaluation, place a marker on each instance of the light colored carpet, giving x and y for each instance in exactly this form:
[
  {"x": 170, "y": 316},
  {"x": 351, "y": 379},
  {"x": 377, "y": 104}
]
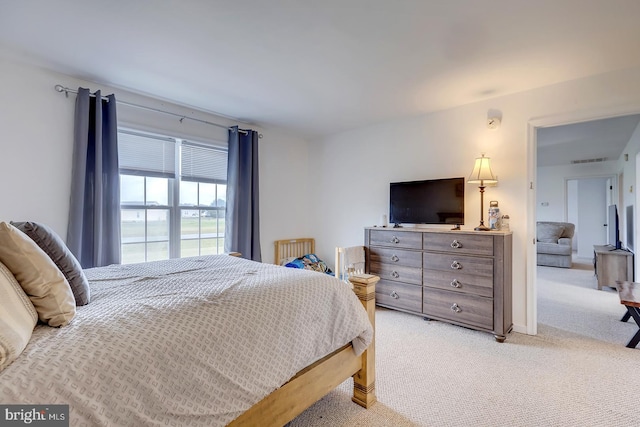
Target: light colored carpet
[{"x": 575, "y": 372}]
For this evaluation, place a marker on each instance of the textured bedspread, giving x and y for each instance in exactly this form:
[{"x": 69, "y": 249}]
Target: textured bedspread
[{"x": 187, "y": 342}]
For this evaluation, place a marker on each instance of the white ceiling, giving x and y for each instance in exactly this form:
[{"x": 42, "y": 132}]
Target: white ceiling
[
  {"x": 319, "y": 67},
  {"x": 598, "y": 139}
]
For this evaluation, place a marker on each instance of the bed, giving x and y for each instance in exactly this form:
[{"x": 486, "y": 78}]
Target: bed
[{"x": 144, "y": 351}]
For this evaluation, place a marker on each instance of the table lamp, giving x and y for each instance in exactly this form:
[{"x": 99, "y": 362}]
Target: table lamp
[{"x": 482, "y": 175}]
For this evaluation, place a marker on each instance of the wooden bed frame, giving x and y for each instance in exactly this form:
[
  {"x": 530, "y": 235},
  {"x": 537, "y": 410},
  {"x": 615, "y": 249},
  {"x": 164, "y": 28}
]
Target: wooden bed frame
[{"x": 318, "y": 379}]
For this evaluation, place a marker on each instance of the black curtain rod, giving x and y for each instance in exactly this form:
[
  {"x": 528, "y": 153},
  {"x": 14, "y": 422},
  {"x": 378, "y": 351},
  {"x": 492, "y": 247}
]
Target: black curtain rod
[{"x": 66, "y": 90}]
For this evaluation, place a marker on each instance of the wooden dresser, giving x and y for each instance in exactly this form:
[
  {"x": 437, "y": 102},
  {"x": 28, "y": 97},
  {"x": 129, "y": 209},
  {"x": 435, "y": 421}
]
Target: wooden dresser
[{"x": 460, "y": 277}]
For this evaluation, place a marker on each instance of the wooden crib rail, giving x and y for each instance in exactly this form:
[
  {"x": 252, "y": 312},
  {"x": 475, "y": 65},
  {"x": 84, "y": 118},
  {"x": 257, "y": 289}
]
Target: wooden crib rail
[{"x": 289, "y": 248}]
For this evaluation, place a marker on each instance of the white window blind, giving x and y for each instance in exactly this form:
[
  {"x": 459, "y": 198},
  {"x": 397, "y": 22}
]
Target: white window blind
[
  {"x": 203, "y": 164},
  {"x": 146, "y": 155}
]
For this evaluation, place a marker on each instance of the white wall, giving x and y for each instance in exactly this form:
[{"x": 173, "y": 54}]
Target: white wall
[
  {"x": 355, "y": 167},
  {"x": 631, "y": 183},
  {"x": 37, "y": 141},
  {"x": 552, "y": 188},
  {"x": 35, "y": 147},
  {"x": 572, "y": 208},
  {"x": 592, "y": 205},
  {"x": 626, "y": 165},
  {"x": 286, "y": 191}
]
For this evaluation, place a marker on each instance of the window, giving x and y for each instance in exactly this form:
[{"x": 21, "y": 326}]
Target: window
[{"x": 172, "y": 197}]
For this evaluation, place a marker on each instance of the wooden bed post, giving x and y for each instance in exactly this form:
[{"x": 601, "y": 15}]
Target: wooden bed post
[{"x": 364, "y": 381}]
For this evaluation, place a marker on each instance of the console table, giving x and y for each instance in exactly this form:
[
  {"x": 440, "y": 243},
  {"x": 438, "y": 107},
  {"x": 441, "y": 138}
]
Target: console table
[
  {"x": 612, "y": 265},
  {"x": 460, "y": 277}
]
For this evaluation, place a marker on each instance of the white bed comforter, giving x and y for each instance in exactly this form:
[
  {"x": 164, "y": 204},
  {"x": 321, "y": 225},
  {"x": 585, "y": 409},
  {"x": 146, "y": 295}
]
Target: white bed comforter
[{"x": 187, "y": 342}]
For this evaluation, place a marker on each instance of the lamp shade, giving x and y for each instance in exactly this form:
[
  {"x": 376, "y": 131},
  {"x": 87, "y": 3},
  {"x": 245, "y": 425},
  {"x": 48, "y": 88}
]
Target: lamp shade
[{"x": 482, "y": 172}]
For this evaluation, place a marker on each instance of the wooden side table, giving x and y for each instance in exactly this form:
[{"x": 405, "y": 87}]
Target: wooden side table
[
  {"x": 629, "y": 293},
  {"x": 612, "y": 265}
]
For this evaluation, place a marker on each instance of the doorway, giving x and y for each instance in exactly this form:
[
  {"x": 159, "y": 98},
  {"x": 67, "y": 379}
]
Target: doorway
[
  {"x": 532, "y": 203},
  {"x": 587, "y": 201}
]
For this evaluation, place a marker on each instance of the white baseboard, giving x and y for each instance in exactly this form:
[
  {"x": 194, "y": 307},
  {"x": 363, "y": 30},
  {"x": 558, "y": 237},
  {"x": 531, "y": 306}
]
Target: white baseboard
[{"x": 521, "y": 329}]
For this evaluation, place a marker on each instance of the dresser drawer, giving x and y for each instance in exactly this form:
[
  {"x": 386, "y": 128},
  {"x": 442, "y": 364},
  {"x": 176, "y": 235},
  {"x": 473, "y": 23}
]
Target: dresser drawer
[
  {"x": 458, "y": 282},
  {"x": 396, "y": 257},
  {"x": 399, "y": 295},
  {"x": 459, "y": 263},
  {"x": 399, "y": 239},
  {"x": 456, "y": 307},
  {"x": 472, "y": 244},
  {"x": 397, "y": 273}
]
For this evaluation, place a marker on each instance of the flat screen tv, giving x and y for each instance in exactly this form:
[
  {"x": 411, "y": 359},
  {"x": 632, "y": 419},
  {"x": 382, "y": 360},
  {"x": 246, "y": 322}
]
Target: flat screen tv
[
  {"x": 613, "y": 226},
  {"x": 434, "y": 201}
]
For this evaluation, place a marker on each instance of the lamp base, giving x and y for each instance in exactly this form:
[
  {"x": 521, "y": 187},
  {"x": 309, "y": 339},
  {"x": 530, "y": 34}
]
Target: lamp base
[{"x": 482, "y": 227}]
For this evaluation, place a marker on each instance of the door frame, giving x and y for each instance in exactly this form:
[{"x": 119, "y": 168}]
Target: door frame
[{"x": 531, "y": 291}]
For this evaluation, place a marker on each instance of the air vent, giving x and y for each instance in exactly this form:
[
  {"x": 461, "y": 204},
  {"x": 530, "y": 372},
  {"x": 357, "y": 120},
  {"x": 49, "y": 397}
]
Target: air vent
[{"x": 597, "y": 160}]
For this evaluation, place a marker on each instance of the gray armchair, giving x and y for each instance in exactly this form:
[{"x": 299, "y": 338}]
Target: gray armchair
[{"x": 554, "y": 243}]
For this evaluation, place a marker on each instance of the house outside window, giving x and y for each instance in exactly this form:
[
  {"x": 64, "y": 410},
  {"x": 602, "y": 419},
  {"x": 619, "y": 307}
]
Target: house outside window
[{"x": 172, "y": 197}]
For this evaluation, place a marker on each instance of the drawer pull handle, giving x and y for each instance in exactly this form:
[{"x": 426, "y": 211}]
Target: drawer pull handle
[
  {"x": 455, "y": 283},
  {"x": 455, "y": 244},
  {"x": 395, "y": 274},
  {"x": 394, "y": 295},
  {"x": 395, "y": 258},
  {"x": 394, "y": 239},
  {"x": 456, "y": 265},
  {"x": 455, "y": 308}
]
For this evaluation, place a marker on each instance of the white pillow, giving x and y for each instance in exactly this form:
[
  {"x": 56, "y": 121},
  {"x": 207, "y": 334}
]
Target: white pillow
[{"x": 18, "y": 317}]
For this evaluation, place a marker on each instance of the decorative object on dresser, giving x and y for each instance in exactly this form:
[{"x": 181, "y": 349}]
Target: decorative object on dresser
[
  {"x": 460, "y": 277},
  {"x": 612, "y": 265},
  {"x": 482, "y": 175},
  {"x": 495, "y": 222}
]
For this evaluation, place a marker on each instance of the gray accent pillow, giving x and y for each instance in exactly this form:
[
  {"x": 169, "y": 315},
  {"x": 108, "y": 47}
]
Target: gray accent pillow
[
  {"x": 549, "y": 233},
  {"x": 54, "y": 247}
]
